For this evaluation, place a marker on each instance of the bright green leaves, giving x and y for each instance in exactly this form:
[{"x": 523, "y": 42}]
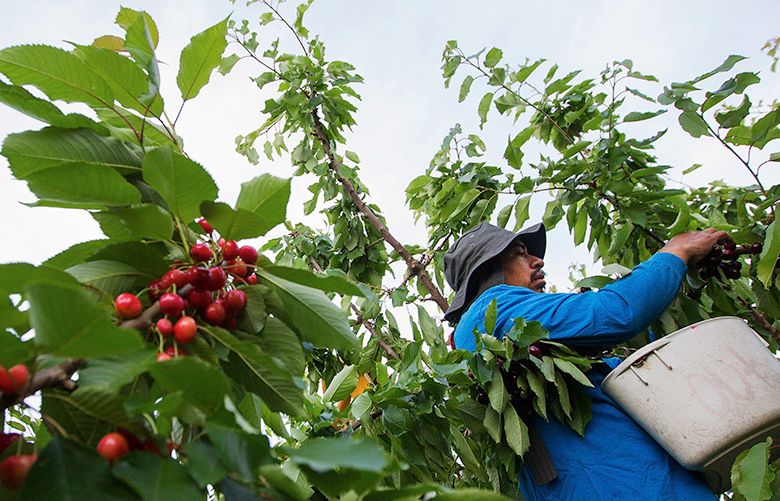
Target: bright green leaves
[
  {"x": 68, "y": 324},
  {"x": 493, "y": 57},
  {"x": 514, "y": 153},
  {"x": 82, "y": 186},
  {"x": 732, "y": 118},
  {"x": 182, "y": 183},
  {"x": 201, "y": 384},
  {"x": 516, "y": 431},
  {"x": 249, "y": 365},
  {"x": 57, "y": 73},
  {"x": 199, "y": 58},
  {"x": 341, "y": 385},
  {"x": 326, "y": 454},
  {"x": 261, "y": 205},
  {"x": 751, "y": 477},
  {"x": 768, "y": 260},
  {"x": 312, "y": 314},
  {"x": 31, "y": 151},
  {"x": 693, "y": 124},
  {"x": 111, "y": 277},
  {"x": 484, "y": 107}
]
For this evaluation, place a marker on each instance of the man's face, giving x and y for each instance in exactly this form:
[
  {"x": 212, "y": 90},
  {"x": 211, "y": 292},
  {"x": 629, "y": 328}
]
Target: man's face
[{"x": 522, "y": 269}]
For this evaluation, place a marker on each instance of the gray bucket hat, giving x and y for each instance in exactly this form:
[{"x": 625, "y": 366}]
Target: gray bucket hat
[{"x": 475, "y": 248}]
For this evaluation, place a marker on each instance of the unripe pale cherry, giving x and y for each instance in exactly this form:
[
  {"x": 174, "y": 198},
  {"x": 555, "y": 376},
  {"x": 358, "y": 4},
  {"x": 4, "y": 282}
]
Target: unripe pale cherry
[
  {"x": 128, "y": 305},
  {"x": 185, "y": 329},
  {"x": 200, "y": 252},
  {"x": 163, "y": 357},
  {"x": 248, "y": 254}
]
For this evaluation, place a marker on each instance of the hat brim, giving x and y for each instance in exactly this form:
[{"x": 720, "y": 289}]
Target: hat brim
[{"x": 535, "y": 240}]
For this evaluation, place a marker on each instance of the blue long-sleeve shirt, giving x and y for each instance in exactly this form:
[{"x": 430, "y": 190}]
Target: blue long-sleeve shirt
[{"x": 616, "y": 459}]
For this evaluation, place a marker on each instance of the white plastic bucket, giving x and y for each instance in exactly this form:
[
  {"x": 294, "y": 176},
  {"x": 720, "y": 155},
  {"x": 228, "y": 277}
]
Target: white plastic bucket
[{"x": 705, "y": 393}]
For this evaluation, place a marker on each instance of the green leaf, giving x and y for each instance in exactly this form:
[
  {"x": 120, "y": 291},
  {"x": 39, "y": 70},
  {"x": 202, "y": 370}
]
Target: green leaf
[
  {"x": 751, "y": 476},
  {"x": 68, "y": 324},
  {"x": 484, "y": 107},
  {"x": 595, "y": 282},
  {"x": 328, "y": 454},
  {"x": 267, "y": 196},
  {"x": 524, "y": 72},
  {"x": 360, "y": 406},
  {"x": 21, "y": 100},
  {"x": 313, "y": 315},
  {"x": 465, "y": 87},
  {"x": 81, "y": 186},
  {"x": 127, "y": 16},
  {"x": 67, "y": 471},
  {"x": 538, "y": 388},
  {"x": 111, "y": 277},
  {"x": 493, "y": 57},
  {"x": 331, "y": 281},
  {"x": 155, "y": 478},
  {"x": 57, "y": 73},
  {"x": 492, "y": 424},
  {"x": 281, "y": 343},
  {"x": 289, "y": 480},
  {"x": 201, "y": 383},
  {"x": 254, "y": 369},
  {"x": 491, "y": 314},
  {"x": 199, "y": 58},
  {"x": 147, "y": 221},
  {"x": 32, "y": 151},
  {"x": 352, "y": 156},
  {"x": 693, "y": 124},
  {"x": 522, "y": 208},
  {"x": 769, "y": 254},
  {"x": 256, "y": 314},
  {"x": 341, "y": 385},
  {"x": 636, "y": 116},
  {"x": 112, "y": 373},
  {"x": 514, "y": 153},
  {"x": 126, "y": 79},
  {"x": 725, "y": 66},
  {"x": 13, "y": 351},
  {"x": 182, "y": 183},
  {"x": 732, "y": 118},
  {"x": 580, "y": 226},
  {"x": 234, "y": 224},
  {"x": 202, "y": 463},
  {"x": 98, "y": 403},
  {"x": 239, "y": 451},
  {"x": 470, "y": 495},
  {"x": 227, "y": 63},
  {"x": 572, "y": 370},
  {"x": 499, "y": 397},
  {"x": 516, "y": 431}
]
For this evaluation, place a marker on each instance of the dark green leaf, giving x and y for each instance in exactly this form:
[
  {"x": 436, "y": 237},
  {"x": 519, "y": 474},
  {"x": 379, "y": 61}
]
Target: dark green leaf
[
  {"x": 331, "y": 281},
  {"x": 202, "y": 463},
  {"x": 201, "y": 384},
  {"x": 636, "y": 116},
  {"x": 328, "y": 454},
  {"x": 82, "y": 186},
  {"x": 239, "y": 451},
  {"x": 68, "y": 324},
  {"x": 155, "y": 478},
  {"x": 732, "y": 118},
  {"x": 281, "y": 343},
  {"x": 147, "y": 221},
  {"x": 234, "y": 224},
  {"x": 484, "y": 107},
  {"x": 515, "y": 431},
  {"x": 522, "y": 212},
  {"x": 693, "y": 124},
  {"x": 751, "y": 476},
  {"x": 465, "y": 87},
  {"x": 769, "y": 254},
  {"x": 493, "y": 57},
  {"x": 113, "y": 373},
  {"x": 111, "y": 277}
]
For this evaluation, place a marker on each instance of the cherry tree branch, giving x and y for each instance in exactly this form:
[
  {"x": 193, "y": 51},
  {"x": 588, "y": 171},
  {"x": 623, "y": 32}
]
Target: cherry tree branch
[
  {"x": 761, "y": 320},
  {"x": 415, "y": 266}
]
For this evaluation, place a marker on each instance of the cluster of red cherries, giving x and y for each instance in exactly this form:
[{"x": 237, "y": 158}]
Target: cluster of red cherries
[
  {"x": 725, "y": 258},
  {"x": 14, "y": 469},
  {"x": 205, "y": 289}
]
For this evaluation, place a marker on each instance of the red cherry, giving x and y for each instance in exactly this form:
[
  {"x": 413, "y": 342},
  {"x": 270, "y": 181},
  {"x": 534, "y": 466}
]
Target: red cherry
[
  {"x": 215, "y": 313},
  {"x": 150, "y": 445},
  {"x": 200, "y": 252},
  {"x": 165, "y": 327},
  {"x": 127, "y": 305},
  {"x": 251, "y": 279},
  {"x": 7, "y": 439},
  {"x": 199, "y": 299},
  {"x": 217, "y": 279},
  {"x": 729, "y": 253},
  {"x": 756, "y": 248},
  {"x": 535, "y": 350},
  {"x": 205, "y": 225},
  {"x": 14, "y": 470},
  {"x": 230, "y": 250},
  {"x": 112, "y": 446},
  {"x": 729, "y": 245},
  {"x": 184, "y": 330},
  {"x": 175, "y": 277},
  {"x": 235, "y": 300},
  {"x": 171, "y": 352},
  {"x": 172, "y": 304},
  {"x": 14, "y": 379},
  {"x": 198, "y": 277},
  {"x": 155, "y": 290},
  {"x": 230, "y": 323},
  {"x": 248, "y": 254},
  {"x": 163, "y": 357},
  {"x": 237, "y": 268}
]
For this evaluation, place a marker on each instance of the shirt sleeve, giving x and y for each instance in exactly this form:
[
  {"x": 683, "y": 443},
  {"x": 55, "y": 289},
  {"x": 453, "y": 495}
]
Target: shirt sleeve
[{"x": 611, "y": 315}]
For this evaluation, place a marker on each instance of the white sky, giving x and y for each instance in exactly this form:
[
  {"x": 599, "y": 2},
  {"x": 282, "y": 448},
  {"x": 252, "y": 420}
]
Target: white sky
[{"x": 396, "y": 46}]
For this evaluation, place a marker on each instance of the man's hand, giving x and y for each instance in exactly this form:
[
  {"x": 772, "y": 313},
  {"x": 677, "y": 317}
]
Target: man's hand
[{"x": 693, "y": 246}]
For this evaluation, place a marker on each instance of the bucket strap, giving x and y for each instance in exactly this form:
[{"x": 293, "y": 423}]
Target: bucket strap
[{"x": 538, "y": 459}]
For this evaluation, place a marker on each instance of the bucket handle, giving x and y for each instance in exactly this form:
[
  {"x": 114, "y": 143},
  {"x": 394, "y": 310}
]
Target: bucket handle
[{"x": 640, "y": 361}]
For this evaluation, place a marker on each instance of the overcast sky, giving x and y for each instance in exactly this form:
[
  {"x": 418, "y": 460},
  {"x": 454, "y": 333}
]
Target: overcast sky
[{"x": 396, "y": 46}]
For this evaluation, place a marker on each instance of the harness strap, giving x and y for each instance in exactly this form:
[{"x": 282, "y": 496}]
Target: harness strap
[{"x": 538, "y": 460}]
